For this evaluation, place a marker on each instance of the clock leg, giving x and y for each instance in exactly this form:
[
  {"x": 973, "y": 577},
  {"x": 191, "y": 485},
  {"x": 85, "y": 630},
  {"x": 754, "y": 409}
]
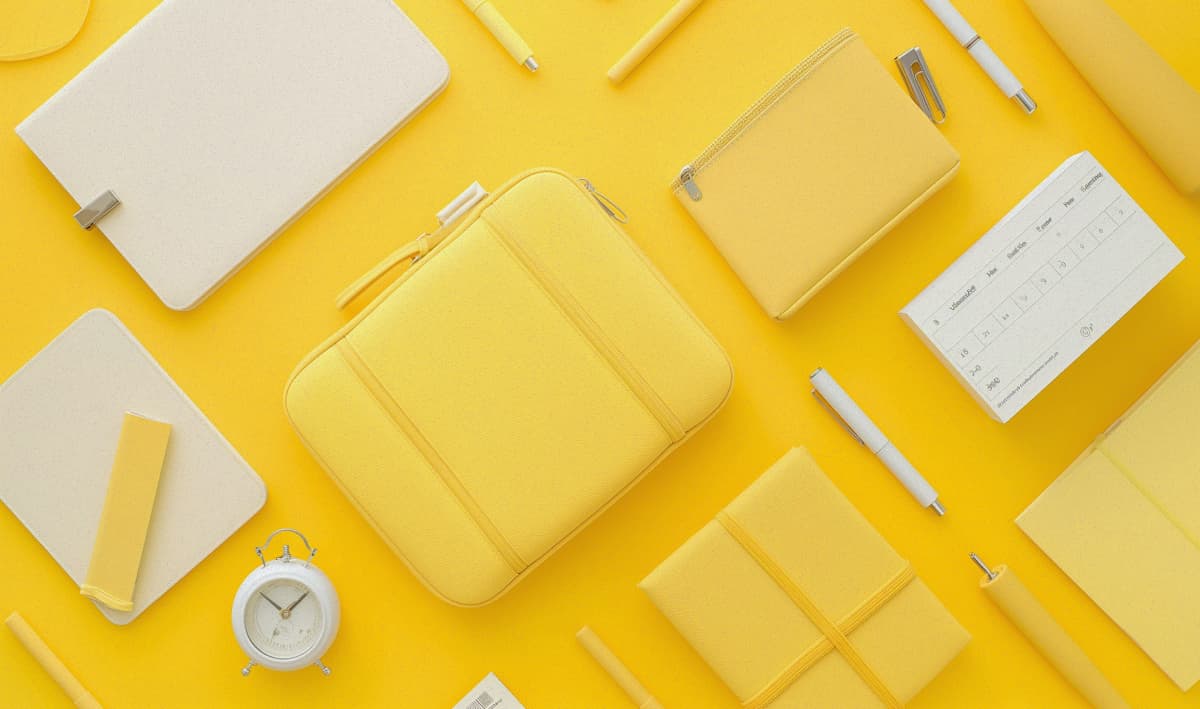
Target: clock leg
[
  {"x": 324, "y": 670},
  {"x": 246, "y": 669}
]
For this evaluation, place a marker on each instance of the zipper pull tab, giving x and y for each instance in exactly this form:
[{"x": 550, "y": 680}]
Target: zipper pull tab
[
  {"x": 610, "y": 207},
  {"x": 687, "y": 177}
]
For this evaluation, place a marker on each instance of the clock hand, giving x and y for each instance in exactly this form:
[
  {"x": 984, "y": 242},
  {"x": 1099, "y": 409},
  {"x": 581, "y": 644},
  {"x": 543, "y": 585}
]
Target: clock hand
[
  {"x": 277, "y": 606},
  {"x": 297, "y": 601}
]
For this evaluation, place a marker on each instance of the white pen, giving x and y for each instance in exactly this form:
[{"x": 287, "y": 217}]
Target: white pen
[
  {"x": 979, "y": 50},
  {"x": 856, "y": 421}
]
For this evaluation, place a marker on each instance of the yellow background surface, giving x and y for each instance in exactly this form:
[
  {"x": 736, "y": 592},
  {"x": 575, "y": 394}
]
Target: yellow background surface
[{"x": 398, "y": 645}]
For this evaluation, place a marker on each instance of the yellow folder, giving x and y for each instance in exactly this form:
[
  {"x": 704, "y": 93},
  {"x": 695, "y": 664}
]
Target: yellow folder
[
  {"x": 795, "y": 600},
  {"x": 1123, "y": 522}
]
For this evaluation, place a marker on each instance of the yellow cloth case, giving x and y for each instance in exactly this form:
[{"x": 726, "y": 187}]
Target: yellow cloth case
[
  {"x": 508, "y": 387},
  {"x": 795, "y": 600},
  {"x": 814, "y": 173},
  {"x": 1123, "y": 522}
]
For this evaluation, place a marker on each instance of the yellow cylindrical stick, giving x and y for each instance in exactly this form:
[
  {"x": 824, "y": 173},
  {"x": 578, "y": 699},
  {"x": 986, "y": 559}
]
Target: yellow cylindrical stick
[
  {"x": 1031, "y": 618},
  {"x": 50, "y": 662},
  {"x": 616, "y": 669},
  {"x": 674, "y": 17},
  {"x": 504, "y": 33},
  {"x": 1157, "y": 105}
]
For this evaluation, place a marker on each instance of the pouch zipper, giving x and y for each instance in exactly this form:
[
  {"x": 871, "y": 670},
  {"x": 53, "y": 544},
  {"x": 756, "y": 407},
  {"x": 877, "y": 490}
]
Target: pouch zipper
[
  {"x": 687, "y": 176},
  {"x": 610, "y": 207}
]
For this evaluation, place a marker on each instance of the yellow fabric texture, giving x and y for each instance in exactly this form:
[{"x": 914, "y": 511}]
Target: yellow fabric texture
[
  {"x": 507, "y": 388},
  {"x": 1158, "y": 106},
  {"x": 745, "y": 589},
  {"x": 1123, "y": 522},
  {"x": 33, "y": 28},
  {"x": 1036, "y": 623},
  {"x": 125, "y": 518},
  {"x": 816, "y": 172},
  {"x": 50, "y": 662}
]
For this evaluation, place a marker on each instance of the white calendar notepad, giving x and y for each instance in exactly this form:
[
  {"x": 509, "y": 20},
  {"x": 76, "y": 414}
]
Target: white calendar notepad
[
  {"x": 1028, "y": 298},
  {"x": 217, "y": 122}
]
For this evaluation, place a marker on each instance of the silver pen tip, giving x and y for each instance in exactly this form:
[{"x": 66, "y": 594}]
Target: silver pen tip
[
  {"x": 936, "y": 506},
  {"x": 530, "y": 64},
  {"x": 1026, "y": 101}
]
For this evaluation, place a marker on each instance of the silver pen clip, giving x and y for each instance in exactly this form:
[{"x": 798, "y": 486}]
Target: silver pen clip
[
  {"x": 919, "y": 80},
  {"x": 836, "y": 416}
]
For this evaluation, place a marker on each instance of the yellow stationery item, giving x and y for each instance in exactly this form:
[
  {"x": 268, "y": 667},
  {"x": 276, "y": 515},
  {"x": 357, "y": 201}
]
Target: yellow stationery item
[
  {"x": 526, "y": 371},
  {"x": 616, "y": 669},
  {"x": 1155, "y": 103},
  {"x": 50, "y": 662},
  {"x": 509, "y": 38},
  {"x": 132, "y": 486},
  {"x": 32, "y": 28},
  {"x": 814, "y": 173},
  {"x": 795, "y": 600},
  {"x": 665, "y": 26},
  {"x": 1123, "y": 522},
  {"x": 1035, "y": 622}
]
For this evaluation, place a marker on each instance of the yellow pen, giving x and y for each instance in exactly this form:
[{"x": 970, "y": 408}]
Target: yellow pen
[
  {"x": 503, "y": 32},
  {"x": 665, "y": 26}
]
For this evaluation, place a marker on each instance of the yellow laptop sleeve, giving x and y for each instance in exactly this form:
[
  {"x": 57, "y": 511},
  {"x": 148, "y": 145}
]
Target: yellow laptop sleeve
[
  {"x": 794, "y": 599},
  {"x": 526, "y": 370},
  {"x": 814, "y": 173},
  {"x": 1123, "y": 522}
]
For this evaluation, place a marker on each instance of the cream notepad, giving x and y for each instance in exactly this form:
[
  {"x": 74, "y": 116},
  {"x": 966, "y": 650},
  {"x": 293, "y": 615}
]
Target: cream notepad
[
  {"x": 60, "y": 421},
  {"x": 217, "y": 122},
  {"x": 1033, "y": 294},
  {"x": 795, "y": 600},
  {"x": 1124, "y": 522}
]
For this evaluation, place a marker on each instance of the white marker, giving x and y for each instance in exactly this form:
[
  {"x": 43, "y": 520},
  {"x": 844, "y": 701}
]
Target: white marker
[
  {"x": 856, "y": 421},
  {"x": 979, "y": 50}
]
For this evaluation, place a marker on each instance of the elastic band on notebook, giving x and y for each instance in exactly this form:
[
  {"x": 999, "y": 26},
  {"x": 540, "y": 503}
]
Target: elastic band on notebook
[
  {"x": 591, "y": 331},
  {"x": 835, "y": 634},
  {"x": 422, "y": 444},
  {"x": 1137, "y": 484}
]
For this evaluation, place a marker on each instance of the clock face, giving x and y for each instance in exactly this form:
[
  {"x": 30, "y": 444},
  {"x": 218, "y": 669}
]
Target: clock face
[{"x": 284, "y": 619}]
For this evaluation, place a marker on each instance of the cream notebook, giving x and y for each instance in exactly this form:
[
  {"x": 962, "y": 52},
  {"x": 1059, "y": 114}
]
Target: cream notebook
[
  {"x": 1124, "y": 522},
  {"x": 217, "y": 122},
  {"x": 60, "y": 420}
]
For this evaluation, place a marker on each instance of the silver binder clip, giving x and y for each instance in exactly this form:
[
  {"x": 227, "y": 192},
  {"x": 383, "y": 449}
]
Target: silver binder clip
[
  {"x": 919, "y": 80},
  {"x": 96, "y": 209}
]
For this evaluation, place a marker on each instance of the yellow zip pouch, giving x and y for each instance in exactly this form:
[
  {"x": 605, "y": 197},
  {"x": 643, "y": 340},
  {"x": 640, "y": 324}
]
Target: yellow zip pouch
[
  {"x": 524, "y": 372},
  {"x": 814, "y": 173}
]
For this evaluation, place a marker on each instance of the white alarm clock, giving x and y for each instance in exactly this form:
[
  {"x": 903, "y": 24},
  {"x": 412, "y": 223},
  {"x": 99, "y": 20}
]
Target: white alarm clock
[{"x": 286, "y": 613}]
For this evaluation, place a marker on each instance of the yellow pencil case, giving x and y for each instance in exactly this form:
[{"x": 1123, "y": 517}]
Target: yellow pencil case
[
  {"x": 814, "y": 173},
  {"x": 524, "y": 372}
]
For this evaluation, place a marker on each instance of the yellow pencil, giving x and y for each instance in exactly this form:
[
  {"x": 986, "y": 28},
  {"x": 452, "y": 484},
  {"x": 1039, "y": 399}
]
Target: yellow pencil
[
  {"x": 674, "y": 17},
  {"x": 50, "y": 662}
]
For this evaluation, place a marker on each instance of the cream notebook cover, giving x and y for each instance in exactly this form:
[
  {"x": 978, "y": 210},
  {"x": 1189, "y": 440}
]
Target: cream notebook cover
[
  {"x": 60, "y": 420},
  {"x": 1124, "y": 522},
  {"x": 217, "y": 122}
]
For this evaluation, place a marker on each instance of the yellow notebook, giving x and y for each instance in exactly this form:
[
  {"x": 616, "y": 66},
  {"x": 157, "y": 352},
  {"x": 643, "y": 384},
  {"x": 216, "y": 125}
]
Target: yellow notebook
[
  {"x": 1123, "y": 522},
  {"x": 795, "y": 600}
]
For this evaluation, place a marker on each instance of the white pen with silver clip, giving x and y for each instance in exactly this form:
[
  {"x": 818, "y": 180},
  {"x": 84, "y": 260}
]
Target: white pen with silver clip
[
  {"x": 979, "y": 50},
  {"x": 832, "y": 395}
]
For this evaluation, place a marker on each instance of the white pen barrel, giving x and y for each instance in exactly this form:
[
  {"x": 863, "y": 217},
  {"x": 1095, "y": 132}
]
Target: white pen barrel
[
  {"x": 851, "y": 413},
  {"x": 999, "y": 73},
  {"x": 907, "y": 475},
  {"x": 949, "y": 16}
]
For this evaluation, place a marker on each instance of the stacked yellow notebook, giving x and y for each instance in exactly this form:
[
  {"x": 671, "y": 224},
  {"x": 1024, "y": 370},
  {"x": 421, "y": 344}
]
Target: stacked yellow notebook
[
  {"x": 1124, "y": 522},
  {"x": 795, "y": 600}
]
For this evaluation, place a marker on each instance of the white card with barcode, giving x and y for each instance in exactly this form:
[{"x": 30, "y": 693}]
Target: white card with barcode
[
  {"x": 1051, "y": 277},
  {"x": 489, "y": 694}
]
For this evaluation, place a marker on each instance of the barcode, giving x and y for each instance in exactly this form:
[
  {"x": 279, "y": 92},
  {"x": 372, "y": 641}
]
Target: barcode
[{"x": 483, "y": 701}]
